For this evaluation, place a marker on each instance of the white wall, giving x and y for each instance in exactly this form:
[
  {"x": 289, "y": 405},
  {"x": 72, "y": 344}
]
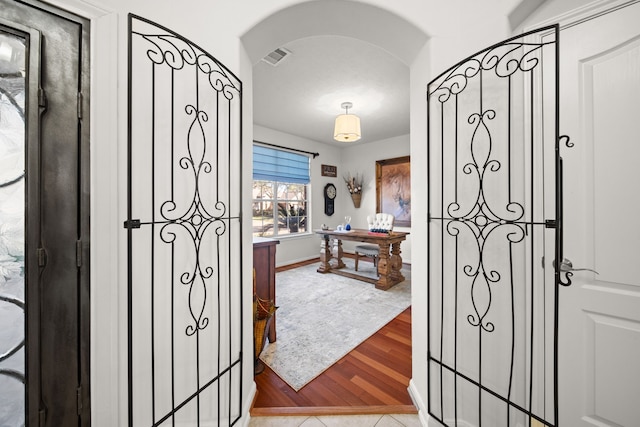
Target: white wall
[
  {"x": 420, "y": 74},
  {"x": 361, "y": 159}
]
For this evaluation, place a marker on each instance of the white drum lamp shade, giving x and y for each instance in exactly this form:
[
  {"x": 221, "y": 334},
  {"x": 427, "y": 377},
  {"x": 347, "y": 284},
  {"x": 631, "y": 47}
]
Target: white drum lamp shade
[{"x": 347, "y": 126}]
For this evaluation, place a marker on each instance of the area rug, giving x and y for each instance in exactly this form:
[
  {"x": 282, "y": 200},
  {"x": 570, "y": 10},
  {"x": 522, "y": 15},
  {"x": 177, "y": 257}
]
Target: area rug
[{"x": 322, "y": 317}]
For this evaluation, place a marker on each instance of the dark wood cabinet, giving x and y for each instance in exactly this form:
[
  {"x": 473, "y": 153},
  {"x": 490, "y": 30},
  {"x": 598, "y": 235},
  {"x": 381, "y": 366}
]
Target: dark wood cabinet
[{"x": 264, "y": 263}]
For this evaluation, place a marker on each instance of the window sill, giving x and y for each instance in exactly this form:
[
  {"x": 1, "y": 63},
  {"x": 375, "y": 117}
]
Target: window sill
[{"x": 293, "y": 236}]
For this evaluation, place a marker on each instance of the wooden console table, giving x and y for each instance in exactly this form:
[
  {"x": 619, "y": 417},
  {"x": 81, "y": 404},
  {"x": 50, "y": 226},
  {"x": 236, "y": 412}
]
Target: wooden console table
[
  {"x": 264, "y": 262},
  {"x": 389, "y": 260}
]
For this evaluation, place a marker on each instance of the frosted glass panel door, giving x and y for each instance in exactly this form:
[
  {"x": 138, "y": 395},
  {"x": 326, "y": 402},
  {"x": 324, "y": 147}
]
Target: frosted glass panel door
[{"x": 12, "y": 295}]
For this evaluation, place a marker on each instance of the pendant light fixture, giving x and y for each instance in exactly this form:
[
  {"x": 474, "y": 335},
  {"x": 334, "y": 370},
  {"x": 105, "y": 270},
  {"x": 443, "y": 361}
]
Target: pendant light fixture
[{"x": 347, "y": 127}]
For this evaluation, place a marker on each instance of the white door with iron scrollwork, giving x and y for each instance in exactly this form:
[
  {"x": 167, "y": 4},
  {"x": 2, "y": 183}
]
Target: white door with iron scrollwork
[{"x": 493, "y": 185}]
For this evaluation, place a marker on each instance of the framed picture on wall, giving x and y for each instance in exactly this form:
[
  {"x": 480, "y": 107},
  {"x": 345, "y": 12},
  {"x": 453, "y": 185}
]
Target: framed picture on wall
[{"x": 393, "y": 189}]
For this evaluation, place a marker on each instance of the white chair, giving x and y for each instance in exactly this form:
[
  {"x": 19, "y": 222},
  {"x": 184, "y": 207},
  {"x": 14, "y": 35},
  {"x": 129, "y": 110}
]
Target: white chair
[{"x": 381, "y": 222}]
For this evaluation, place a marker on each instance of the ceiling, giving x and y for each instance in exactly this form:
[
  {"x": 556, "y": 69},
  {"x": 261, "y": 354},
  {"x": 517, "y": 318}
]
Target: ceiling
[
  {"x": 302, "y": 94},
  {"x": 331, "y": 63}
]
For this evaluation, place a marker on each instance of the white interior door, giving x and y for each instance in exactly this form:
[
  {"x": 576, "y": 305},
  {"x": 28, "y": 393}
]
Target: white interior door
[{"x": 599, "y": 360}]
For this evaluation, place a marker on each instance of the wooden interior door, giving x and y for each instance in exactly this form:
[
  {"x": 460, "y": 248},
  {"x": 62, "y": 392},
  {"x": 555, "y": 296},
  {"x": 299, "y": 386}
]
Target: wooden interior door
[{"x": 46, "y": 52}]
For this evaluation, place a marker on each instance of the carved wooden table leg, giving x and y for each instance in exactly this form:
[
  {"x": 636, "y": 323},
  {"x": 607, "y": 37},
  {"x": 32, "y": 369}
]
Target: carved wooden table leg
[
  {"x": 325, "y": 255},
  {"x": 337, "y": 252},
  {"x": 384, "y": 268},
  {"x": 396, "y": 264}
]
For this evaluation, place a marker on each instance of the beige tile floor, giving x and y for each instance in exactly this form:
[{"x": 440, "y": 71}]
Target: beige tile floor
[{"x": 395, "y": 420}]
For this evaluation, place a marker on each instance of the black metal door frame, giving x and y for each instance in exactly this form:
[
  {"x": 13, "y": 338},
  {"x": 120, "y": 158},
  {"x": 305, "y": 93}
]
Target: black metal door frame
[
  {"x": 473, "y": 216},
  {"x": 184, "y": 232},
  {"x": 57, "y": 206}
]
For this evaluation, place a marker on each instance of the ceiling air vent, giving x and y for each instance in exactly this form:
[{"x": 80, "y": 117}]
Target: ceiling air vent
[{"x": 277, "y": 56}]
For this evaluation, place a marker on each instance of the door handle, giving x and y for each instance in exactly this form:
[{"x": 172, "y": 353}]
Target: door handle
[{"x": 566, "y": 266}]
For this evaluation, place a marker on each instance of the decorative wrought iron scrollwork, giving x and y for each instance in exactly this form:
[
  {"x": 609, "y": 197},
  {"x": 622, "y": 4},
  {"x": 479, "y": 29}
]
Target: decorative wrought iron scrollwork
[
  {"x": 176, "y": 52},
  {"x": 567, "y": 141},
  {"x": 482, "y": 219},
  {"x": 195, "y": 218},
  {"x": 504, "y": 59},
  {"x": 567, "y": 281}
]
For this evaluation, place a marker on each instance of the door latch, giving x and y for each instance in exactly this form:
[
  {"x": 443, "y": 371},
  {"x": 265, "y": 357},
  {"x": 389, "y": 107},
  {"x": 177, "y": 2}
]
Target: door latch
[{"x": 566, "y": 266}]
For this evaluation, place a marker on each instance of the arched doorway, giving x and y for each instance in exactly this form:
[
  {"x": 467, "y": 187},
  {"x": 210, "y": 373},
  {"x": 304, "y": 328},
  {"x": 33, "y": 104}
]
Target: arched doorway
[{"x": 308, "y": 24}]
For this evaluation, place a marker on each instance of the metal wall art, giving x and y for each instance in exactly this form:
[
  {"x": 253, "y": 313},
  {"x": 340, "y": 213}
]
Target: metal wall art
[
  {"x": 494, "y": 165},
  {"x": 184, "y": 228}
]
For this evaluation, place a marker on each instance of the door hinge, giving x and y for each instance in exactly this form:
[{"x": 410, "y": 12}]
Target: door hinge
[
  {"x": 78, "y": 253},
  {"x": 79, "y": 105},
  {"x": 42, "y": 98},
  {"x": 42, "y": 418},
  {"x": 42, "y": 257},
  {"x": 550, "y": 223},
  {"x": 79, "y": 395}
]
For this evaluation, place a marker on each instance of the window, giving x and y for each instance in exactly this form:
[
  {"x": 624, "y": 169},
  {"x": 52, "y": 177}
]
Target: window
[{"x": 280, "y": 192}]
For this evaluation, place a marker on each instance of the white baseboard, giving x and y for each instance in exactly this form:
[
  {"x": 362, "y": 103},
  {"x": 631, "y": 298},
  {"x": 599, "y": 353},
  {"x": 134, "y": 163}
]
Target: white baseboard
[
  {"x": 297, "y": 260},
  {"x": 423, "y": 411},
  {"x": 246, "y": 417},
  {"x": 459, "y": 423}
]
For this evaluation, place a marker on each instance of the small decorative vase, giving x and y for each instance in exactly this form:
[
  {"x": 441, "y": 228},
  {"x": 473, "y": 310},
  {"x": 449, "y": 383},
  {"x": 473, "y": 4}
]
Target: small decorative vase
[{"x": 347, "y": 220}]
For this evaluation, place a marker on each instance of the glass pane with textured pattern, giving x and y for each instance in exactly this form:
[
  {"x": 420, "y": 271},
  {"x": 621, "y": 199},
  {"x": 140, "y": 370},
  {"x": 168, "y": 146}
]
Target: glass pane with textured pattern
[{"x": 12, "y": 152}]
